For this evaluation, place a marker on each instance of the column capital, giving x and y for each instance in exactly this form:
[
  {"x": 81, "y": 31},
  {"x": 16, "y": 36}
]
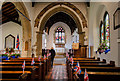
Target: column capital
[
  {"x": 81, "y": 32},
  {"x": 39, "y": 32}
]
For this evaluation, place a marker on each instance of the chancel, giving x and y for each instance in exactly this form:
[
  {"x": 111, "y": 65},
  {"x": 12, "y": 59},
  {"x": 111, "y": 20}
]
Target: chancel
[{"x": 59, "y": 40}]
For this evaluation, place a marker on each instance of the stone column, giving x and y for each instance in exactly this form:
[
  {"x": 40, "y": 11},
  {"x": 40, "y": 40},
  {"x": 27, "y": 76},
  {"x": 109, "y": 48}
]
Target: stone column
[
  {"x": 26, "y": 40},
  {"x": 118, "y": 47},
  {"x": 81, "y": 37},
  {"x": 39, "y": 43},
  {"x": 1, "y": 39},
  {"x": 119, "y": 41},
  {"x": 29, "y": 48}
]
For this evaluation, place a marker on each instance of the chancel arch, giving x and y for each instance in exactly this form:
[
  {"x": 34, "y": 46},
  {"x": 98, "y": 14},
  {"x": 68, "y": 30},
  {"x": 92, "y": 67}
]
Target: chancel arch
[
  {"x": 74, "y": 8},
  {"x": 51, "y": 13}
]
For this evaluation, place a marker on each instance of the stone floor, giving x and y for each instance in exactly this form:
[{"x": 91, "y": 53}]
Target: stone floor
[{"x": 58, "y": 72}]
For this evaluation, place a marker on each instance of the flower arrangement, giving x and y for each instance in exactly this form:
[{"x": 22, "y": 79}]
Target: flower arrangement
[
  {"x": 6, "y": 55},
  {"x": 10, "y": 53},
  {"x": 103, "y": 48},
  {"x": 9, "y": 50}
]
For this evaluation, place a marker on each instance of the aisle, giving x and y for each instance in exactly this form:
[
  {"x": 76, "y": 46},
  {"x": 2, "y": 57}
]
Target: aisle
[{"x": 58, "y": 72}]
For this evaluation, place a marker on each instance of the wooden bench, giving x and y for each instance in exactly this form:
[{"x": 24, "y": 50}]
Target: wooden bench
[
  {"x": 42, "y": 67},
  {"x": 101, "y": 76},
  {"x": 11, "y": 68},
  {"x": 89, "y": 61},
  {"x": 9, "y": 80},
  {"x": 16, "y": 64},
  {"x": 96, "y": 69},
  {"x": 85, "y": 59},
  {"x": 28, "y": 60},
  {"x": 14, "y": 74}
]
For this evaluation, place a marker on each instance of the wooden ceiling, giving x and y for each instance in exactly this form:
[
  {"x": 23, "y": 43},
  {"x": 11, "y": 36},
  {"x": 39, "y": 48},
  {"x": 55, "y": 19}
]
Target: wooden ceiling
[
  {"x": 9, "y": 13},
  {"x": 61, "y": 17}
]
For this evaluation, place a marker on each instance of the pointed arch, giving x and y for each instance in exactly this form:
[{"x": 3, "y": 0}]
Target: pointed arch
[
  {"x": 84, "y": 22},
  {"x": 101, "y": 32},
  {"x": 107, "y": 28}
]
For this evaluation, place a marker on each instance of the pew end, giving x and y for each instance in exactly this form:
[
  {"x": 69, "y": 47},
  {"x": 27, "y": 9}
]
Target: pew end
[
  {"x": 112, "y": 63},
  {"x": 104, "y": 60},
  {"x": 76, "y": 78},
  {"x": 98, "y": 59},
  {"x": 94, "y": 57},
  {"x": 24, "y": 77}
]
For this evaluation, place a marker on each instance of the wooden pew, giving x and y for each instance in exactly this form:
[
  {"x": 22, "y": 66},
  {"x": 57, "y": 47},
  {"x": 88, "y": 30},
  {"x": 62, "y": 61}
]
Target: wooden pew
[
  {"x": 101, "y": 69},
  {"x": 98, "y": 68},
  {"x": 40, "y": 72},
  {"x": 101, "y": 76},
  {"x": 16, "y": 68},
  {"x": 18, "y": 62},
  {"x": 42, "y": 67},
  {"x": 14, "y": 75},
  {"x": 48, "y": 61},
  {"x": 94, "y": 64},
  {"x": 35, "y": 70},
  {"x": 9, "y": 80},
  {"x": 85, "y": 59},
  {"x": 26, "y": 61},
  {"x": 89, "y": 61}
]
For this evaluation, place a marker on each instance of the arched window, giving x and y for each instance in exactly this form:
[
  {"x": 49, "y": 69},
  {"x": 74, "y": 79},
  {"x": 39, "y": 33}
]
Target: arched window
[
  {"x": 60, "y": 35},
  {"x": 10, "y": 41},
  {"x": 101, "y": 32},
  {"x": 107, "y": 29}
]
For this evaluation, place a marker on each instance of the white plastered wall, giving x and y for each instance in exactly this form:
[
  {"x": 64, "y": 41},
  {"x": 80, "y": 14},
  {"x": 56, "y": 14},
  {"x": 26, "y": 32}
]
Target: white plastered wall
[
  {"x": 13, "y": 29},
  {"x": 0, "y": 29},
  {"x": 68, "y": 36},
  {"x": 0, "y": 37},
  {"x": 81, "y": 6},
  {"x": 96, "y": 14}
]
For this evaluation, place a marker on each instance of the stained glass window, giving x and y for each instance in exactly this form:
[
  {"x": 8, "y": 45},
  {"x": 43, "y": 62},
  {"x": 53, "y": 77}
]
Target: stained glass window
[
  {"x": 101, "y": 32},
  {"x": 60, "y": 35},
  {"x": 107, "y": 29}
]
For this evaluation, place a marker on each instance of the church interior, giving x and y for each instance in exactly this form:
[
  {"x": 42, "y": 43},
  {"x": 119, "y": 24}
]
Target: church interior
[{"x": 59, "y": 41}]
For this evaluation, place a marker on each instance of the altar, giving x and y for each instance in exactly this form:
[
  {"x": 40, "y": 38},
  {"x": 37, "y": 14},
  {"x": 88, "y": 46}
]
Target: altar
[{"x": 60, "y": 48}]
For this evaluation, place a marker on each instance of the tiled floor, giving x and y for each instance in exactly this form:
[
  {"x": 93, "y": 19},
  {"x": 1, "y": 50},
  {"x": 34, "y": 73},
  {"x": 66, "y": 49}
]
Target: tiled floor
[{"x": 58, "y": 72}]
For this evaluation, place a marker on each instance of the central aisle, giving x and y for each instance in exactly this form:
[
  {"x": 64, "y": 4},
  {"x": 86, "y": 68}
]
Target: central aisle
[{"x": 58, "y": 72}]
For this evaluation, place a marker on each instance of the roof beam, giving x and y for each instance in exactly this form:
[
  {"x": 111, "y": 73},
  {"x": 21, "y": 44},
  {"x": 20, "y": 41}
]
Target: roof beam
[{"x": 11, "y": 19}]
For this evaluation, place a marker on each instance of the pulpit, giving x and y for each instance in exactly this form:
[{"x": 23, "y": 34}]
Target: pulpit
[{"x": 80, "y": 52}]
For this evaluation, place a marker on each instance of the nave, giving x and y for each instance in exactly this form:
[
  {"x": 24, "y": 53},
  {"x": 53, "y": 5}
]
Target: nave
[
  {"x": 84, "y": 35},
  {"x": 59, "y": 71},
  {"x": 64, "y": 70}
]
